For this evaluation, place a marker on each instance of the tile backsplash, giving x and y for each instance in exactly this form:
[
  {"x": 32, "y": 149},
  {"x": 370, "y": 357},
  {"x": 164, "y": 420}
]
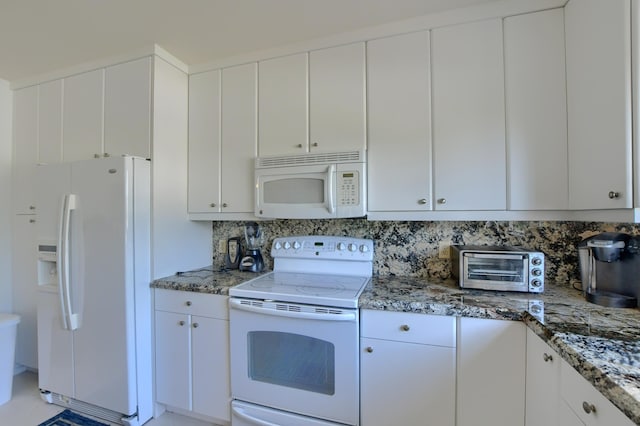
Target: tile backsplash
[{"x": 412, "y": 248}]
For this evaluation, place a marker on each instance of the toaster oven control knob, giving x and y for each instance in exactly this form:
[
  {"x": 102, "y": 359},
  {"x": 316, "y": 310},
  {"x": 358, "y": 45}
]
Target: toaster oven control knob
[
  {"x": 287, "y": 245},
  {"x": 536, "y": 283},
  {"x": 364, "y": 248},
  {"x": 536, "y": 272},
  {"x": 353, "y": 247},
  {"x": 536, "y": 261},
  {"x": 278, "y": 245},
  {"x": 296, "y": 245},
  {"x": 342, "y": 246}
]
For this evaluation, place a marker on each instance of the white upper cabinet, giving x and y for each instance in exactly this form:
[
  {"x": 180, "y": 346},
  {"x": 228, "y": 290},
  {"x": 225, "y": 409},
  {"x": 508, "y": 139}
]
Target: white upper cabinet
[
  {"x": 283, "y": 102},
  {"x": 83, "y": 114},
  {"x": 399, "y": 123},
  {"x": 469, "y": 117},
  {"x": 50, "y": 122},
  {"x": 127, "y": 108},
  {"x": 204, "y": 142},
  {"x": 598, "y": 43},
  {"x": 25, "y": 149},
  {"x": 239, "y": 138},
  {"x": 337, "y": 98},
  {"x": 536, "y": 111}
]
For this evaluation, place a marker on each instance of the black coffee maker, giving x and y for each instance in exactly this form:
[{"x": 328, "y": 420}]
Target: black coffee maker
[
  {"x": 254, "y": 239},
  {"x": 610, "y": 269}
]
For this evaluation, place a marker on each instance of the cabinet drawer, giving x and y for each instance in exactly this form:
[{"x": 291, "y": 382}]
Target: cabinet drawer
[
  {"x": 187, "y": 302},
  {"x": 581, "y": 396},
  {"x": 408, "y": 327}
]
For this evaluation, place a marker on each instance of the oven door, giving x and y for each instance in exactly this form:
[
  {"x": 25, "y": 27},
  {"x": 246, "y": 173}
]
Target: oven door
[
  {"x": 296, "y": 358},
  {"x": 504, "y": 272}
]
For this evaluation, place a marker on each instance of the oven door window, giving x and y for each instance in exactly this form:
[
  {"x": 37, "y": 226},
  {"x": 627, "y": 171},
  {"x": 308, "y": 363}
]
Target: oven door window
[
  {"x": 294, "y": 191},
  {"x": 292, "y": 360},
  {"x": 496, "y": 268}
]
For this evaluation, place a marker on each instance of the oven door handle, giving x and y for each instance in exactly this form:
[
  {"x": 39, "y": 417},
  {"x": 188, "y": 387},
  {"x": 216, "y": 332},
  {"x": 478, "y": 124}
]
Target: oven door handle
[{"x": 237, "y": 304}]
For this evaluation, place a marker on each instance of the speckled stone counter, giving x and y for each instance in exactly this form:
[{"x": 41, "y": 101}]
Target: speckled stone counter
[{"x": 603, "y": 344}]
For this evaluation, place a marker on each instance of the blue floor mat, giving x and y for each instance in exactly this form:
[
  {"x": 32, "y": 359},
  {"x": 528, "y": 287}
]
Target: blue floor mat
[{"x": 69, "y": 418}]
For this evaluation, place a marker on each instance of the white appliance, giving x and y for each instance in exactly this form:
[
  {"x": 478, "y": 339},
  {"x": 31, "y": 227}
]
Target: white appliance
[
  {"x": 311, "y": 186},
  {"x": 294, "y": 334},
  {"x": 94, "y": 300}
]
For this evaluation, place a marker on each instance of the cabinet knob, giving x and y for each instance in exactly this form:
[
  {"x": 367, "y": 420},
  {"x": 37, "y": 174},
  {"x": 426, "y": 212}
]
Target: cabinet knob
[
  {"x": 32, "y": 221},
  {"x": 195, "y": 325},
  {"x": 315, "y": 144},
  {"x": 588, "y": 408},
  {"x": 614, "y": 195},
  {"x": 422, "y": 201},
  {"x": 32, "y": 207},
  {"x": 225, "y": 205},
  {"x": 299, "y": 145},
  {"x": 404, "y": 327},
  {"x": 97, "y": 155},
  {"x": 106, "y": 154},
  {"x": 442, "y": 201},
  {"x": 369, "y": 349},
  {"x": 212, "y": 204},
  {"x": 188, "y": 303},
  {"x": 547, "y": 357},
  {"x": 181, "y": 323}
]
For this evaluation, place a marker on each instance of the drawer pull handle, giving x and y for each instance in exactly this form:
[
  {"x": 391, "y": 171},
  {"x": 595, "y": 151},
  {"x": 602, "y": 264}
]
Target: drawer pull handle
[
  {"x": 614, "y": 194},
  {"x": 547, "y": 357},
  {"x": 188, "y": 303},
  {"x": 404, "y": 327},
  {"x": 588, "y": 408},
  {"x": 369, "y": 349}
]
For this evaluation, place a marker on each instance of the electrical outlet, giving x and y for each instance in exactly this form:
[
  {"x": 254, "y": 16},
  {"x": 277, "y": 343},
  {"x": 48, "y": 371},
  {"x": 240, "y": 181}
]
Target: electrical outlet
[
  {"x": 222, "y": 247},
  {"x": 443, "y": 250}
]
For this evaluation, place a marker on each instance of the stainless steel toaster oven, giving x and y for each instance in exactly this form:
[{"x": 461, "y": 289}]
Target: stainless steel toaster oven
[{"x": 502, "y": 268}]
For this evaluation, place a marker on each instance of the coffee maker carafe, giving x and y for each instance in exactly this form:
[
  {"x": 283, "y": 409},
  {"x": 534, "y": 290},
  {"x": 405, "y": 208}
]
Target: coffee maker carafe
[
  {"x": 254, "y": 238},
  {"x": 610, "y": 269}
]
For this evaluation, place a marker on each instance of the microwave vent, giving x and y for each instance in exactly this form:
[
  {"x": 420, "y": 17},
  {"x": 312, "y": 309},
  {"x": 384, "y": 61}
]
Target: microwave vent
[{"x": 307, "y": 159}]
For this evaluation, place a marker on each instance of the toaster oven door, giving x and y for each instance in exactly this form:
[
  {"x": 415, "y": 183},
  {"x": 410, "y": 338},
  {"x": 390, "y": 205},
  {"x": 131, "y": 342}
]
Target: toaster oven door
[{"x": 495, "y": 271}]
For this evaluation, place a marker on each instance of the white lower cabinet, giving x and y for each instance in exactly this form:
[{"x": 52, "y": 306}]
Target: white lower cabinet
[
  {"x": 408, "y": 369},
  {"x": 192, "y": 353},
  {"x": 543, "y": 383},
  {"x": 491, "y": 372},
  {"x": 588, "y": 405}
]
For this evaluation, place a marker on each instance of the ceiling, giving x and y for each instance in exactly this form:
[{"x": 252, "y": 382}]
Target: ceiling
[{"x": 41, "y": 36}]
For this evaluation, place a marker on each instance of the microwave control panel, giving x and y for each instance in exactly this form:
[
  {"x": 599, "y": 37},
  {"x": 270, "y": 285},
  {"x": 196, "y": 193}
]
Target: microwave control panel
[{"x": 348, "y": 188}]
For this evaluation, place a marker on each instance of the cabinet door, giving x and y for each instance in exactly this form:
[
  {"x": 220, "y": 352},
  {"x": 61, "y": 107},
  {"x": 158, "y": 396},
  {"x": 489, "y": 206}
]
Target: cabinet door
[
  {"x": 491, "y": 352},
  {"x": 543, "y": 383},
  {"x": 283, "y": 105},
  {"x": 25, "y": 149},
  {"x": 468, "y": 117},
  {"x": 50, "y": 122},
  {"x": 536, "y": 105},
  {"x": 399, "y": 109},
  {"x": 24, "y": 264},
  {"x": 83, "y": 116},
  {"x": 211, "y": 382},
  {"x": 598, "y": 38},
  {"x": 420, "y": 377},
  {"x": 173, "y": 359},
  {"x": 239, "y": 133},
  {"x": 204, "y": 142},
  {"x": 337, "y": 98},
  {"x": 127, "y": 108}
]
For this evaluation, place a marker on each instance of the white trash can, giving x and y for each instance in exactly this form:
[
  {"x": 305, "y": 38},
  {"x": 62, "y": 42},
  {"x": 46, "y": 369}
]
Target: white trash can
[{"x": 8, "y": 329}]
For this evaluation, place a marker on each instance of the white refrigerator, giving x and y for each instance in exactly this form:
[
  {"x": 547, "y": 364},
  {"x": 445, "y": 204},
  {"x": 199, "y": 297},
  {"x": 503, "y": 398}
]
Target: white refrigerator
[{"x": 94, "y": 300}]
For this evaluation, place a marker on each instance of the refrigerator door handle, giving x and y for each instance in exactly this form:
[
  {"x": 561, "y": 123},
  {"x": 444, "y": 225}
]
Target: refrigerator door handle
[{"x": 69, "y": 319}]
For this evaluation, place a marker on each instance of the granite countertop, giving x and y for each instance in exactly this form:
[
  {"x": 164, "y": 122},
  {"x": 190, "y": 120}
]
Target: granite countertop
[{"x": 603, "y": 344}]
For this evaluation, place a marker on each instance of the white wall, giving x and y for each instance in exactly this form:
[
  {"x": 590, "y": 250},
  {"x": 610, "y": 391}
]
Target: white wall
[{"x": 5, "y": 196}]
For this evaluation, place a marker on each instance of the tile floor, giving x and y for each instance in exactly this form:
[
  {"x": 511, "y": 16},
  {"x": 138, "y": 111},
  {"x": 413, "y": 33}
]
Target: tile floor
[{"x": 27, "y": 409}]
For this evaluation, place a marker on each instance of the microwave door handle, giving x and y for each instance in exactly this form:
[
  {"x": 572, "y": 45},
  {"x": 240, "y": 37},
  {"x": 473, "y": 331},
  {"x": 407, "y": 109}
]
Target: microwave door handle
[{"x": 331, "y": 202}]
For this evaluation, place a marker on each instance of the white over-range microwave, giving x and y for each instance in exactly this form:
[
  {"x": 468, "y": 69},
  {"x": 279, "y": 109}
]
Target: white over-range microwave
[{"x": 311, "y": 186}]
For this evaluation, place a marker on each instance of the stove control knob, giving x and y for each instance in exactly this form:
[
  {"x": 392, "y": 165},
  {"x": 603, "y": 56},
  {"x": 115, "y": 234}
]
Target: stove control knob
[
  {"x": 364, "y": 248},
  {"x": 342, "y": 246},
  {"x": 278, "y": 245},
  {"x": 296, "y": 245},
  {"x": 287, "y": 245},
  {"x": 353, "y": 247}
]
